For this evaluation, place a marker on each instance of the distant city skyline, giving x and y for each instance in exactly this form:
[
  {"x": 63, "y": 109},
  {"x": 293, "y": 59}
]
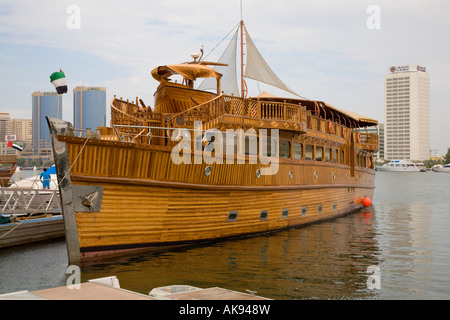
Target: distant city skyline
[{"x": 337, "y": 52}]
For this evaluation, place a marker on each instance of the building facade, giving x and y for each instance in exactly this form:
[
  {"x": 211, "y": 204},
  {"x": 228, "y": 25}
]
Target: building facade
[
  {"x": 407, "y": 113},
  {"x": 44, "y": 104},
  {"x": 89, "y": 107}
]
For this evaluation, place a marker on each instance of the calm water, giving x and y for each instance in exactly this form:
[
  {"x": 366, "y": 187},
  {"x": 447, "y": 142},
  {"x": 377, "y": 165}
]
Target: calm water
[{"x": 405, "y": 233}]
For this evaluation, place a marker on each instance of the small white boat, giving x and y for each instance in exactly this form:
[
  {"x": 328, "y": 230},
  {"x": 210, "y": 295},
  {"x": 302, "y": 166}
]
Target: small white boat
[
  {"x": 399, "y": 166},
  {"x": 440, "y": 168}
]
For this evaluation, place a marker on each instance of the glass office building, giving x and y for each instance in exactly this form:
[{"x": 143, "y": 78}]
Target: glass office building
[
  {"x": 44, "y": 104},
  {"x": 89, "y": 107}
]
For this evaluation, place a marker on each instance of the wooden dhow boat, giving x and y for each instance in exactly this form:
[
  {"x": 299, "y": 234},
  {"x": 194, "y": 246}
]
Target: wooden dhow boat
[
  {"x": 7, "y": 168},
  {"x": 204, "y": 165}
]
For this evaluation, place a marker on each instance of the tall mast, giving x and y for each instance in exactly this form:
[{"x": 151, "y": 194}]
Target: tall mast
[{"x": 243, "y": 84}]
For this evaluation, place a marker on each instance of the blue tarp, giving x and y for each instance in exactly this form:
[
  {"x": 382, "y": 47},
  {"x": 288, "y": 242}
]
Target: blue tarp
[{"x": 51, "y": 170}]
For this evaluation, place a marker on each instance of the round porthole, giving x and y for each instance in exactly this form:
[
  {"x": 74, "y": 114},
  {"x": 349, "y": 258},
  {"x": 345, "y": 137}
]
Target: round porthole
[
  {"x": 208, "y": 171},
  {"x": 232, "y": 216},
  {"x": 258, "y": 173},
  {"x": 263, "y": 215}
]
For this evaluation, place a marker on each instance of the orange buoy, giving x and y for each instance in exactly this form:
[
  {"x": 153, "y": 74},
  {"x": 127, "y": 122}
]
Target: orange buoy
[{"x": 366, "y": 201}]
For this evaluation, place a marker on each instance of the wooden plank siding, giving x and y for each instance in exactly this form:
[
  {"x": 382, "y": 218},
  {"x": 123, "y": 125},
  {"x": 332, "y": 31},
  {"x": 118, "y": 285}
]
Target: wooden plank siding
[{"x": 149, "y": 201}]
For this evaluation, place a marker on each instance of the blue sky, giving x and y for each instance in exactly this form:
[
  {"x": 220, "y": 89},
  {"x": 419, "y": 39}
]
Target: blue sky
[{"x": 321, "y": 49}]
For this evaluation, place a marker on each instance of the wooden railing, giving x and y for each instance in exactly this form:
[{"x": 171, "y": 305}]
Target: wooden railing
[
  {"x": 231, "y": 105},
  {"x": 134, "y": 118}
]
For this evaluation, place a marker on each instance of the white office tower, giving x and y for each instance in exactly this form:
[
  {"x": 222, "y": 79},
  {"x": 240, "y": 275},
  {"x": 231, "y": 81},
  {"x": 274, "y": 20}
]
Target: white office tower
[{"x": 407, "y": 113}]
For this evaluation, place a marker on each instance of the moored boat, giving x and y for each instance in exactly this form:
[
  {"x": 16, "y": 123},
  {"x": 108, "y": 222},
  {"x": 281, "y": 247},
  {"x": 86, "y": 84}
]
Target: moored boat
[
  {"x": 399, "y": 166},
  {"x": 7, "y": 168},
  {"x": 205, "y": 165},
  {"x": 442, "y": 168}
]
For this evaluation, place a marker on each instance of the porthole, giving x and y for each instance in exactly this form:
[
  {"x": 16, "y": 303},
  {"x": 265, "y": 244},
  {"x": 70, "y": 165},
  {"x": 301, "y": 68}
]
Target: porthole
[
  {"x": 304, "y": 211},
  {"x": 232, "y": 216},
  {"x": 258, "y": 173},
  {"x": 319, "y": 208},
  {"x": 334, "y": 175},
  {"x": 346, "y": 175},
  {"x": 208, "y": 171},
  {"x": 284, "y": 213},
  {"x": 291, "y": 175},
  {"x": 334, "y": 206},
  {"x": 263, "y": 215},
  {"x": 315, "y": 174}
]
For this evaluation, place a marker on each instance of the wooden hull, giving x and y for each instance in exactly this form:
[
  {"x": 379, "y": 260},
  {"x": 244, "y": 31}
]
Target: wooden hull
[
  {"x": 150, "y": 203},
  {"x": 4, "y": 179},
  {"x": 139, "y": 217}
]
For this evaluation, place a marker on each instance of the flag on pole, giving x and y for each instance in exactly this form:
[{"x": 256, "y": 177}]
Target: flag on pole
[
  {"x": 15, "y": 145},
  {"x": 59, "y": 81}
]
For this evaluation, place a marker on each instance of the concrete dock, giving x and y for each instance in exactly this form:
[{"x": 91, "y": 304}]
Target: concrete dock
[{"x": 108, "y": 288}]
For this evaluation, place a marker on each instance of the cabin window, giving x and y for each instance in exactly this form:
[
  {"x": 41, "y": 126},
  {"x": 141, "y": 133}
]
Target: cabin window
[
  {"x": 263, "y": 215},
  {"x": 250, "y": 145},
  {"x": 270, "y": 142},
  {"x": 284, "y": 213},
  {"x": 297, "y": 150},
  {"x": 232, "y": 216},
  {"x": 327, "y": 154},
  {"x": 230, "y": 141},
  {"x": 319, "y": 153},
  {"x": 357, "y": 160},
  {"x": 335, "y": 155},
  {"x": 319, "y": 208},
  {"x": 308, "y": 152},
  {"x": 342, "y": 157},
  {"x": 285, "y": 147},
  {"x": 334, "y": 206}
]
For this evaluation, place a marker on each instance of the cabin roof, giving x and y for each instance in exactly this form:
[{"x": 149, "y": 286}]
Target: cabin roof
[
  {"x": 186, "y": 70},
  {"x": 363, "y": 121}
]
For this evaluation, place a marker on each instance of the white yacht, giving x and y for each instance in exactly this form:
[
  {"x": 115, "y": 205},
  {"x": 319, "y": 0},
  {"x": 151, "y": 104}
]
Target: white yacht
[
  {"x": 440, "y": 168},
  {"x": 399, "y": 166}
]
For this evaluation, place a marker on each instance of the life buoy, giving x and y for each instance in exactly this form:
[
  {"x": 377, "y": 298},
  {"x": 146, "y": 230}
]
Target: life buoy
[
  {"x": 344, "y": 132},
  {"x": 358, "y": 137},
  {"x": 330, "y": 127}
]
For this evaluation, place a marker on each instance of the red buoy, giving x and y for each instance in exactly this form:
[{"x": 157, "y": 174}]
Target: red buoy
[{"x": 366, "y": 201}]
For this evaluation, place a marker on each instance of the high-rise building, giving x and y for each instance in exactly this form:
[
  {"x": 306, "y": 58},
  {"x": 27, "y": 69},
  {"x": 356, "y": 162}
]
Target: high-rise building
[
  {"x": 407, "y": 113},
  {"x": 44, "y": 104},
  {"x": 89, "y": 107}
]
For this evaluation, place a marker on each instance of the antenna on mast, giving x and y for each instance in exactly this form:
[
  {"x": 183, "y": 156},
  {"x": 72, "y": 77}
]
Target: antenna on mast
[{"x": 243, "y": 84}]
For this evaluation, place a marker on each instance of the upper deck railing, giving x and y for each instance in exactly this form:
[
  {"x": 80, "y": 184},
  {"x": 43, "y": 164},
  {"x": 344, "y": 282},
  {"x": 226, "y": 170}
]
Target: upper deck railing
[
  {"x": 230, "y": 105},
  {"x": 134, "y": 119}
]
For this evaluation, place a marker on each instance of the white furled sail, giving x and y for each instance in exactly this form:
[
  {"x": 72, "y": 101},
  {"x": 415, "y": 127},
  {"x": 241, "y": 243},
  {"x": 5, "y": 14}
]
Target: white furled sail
[
  {"x": 229, "y": 74},
  {"x": 257, "y": 68}
]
